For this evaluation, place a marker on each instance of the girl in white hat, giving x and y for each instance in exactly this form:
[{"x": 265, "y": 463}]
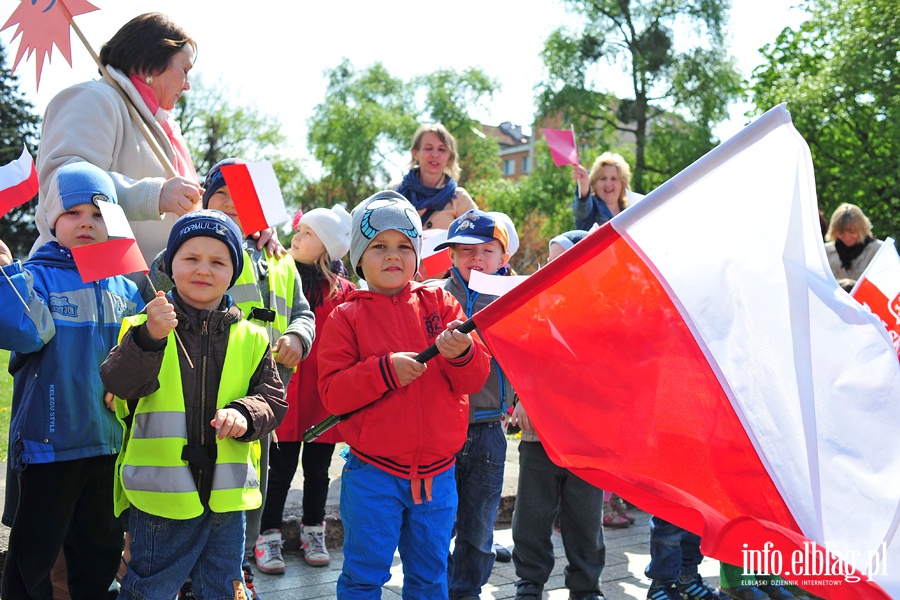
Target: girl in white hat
[{"x": 321, "y": 241}]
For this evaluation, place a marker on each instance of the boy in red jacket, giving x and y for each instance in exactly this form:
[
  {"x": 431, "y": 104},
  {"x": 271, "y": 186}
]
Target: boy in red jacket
[{"x": 398, "y": 488}]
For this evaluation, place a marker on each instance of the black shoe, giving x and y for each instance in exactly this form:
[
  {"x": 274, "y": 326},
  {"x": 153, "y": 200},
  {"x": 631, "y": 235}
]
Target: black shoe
[
  {"x": 586, "y": 596},
  {"x": 528, "y": 591},
  {"x": 503, "y": 555}
]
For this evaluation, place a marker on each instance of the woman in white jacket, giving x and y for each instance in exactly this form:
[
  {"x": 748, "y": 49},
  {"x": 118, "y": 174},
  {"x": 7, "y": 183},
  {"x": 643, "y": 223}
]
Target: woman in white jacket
[{"x": 149, "y": 57}]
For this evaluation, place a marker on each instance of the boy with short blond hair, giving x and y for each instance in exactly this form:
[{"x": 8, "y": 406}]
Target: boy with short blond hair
[{"x": 409, "y": 420}]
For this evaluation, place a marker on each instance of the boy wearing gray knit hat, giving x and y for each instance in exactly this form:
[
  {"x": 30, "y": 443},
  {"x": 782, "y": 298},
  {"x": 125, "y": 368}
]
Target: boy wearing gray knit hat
[
  {"x": 379, "y": 212},
  {"x": 407, "y": 492}
]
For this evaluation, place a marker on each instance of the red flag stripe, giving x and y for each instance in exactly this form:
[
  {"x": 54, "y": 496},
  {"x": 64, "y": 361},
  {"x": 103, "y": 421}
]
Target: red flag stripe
[
  {"x": 108, "y": 259},
  {"x": 246, "y": 200}
]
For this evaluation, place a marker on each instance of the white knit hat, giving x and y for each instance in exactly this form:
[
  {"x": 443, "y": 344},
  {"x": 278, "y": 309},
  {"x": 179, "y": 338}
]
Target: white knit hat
[{"x": 332, "y": 225}]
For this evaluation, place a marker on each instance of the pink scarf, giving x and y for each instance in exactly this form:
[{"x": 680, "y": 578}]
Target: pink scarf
[{"x": 182, "y": 162}]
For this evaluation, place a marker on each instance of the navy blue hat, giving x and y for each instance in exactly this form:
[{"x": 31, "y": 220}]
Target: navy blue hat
[
  {"x": 208, "y": 223},
  {"x": 215, "y": 179}
]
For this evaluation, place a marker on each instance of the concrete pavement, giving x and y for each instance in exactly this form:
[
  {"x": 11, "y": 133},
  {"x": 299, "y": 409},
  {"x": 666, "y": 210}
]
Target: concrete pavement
[{"x": 627, "y": 552}]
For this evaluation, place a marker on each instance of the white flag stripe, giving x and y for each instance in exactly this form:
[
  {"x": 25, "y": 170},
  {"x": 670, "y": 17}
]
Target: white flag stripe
[
  {"x": 809, "y": 373},
  {"x": 19, "y": 170},
  {"x": 430, "y": 239},
  {"x": 495, "y": 285},
  {"x": 117, "y": 225},
  {"x": 268, "y": 191}
]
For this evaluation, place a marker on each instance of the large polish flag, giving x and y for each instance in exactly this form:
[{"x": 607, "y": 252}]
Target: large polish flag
[
  {"x": 878, "y": 289},
  {"x": 18, "y": 182},
  {"x": 697, "y": 356}
]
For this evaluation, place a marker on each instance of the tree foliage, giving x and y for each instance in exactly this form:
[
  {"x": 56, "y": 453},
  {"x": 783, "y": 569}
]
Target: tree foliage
[
  {"x": 215, "y": 128},
  {"x": 838, "y": 74},
  {"x": 18, "y": 127},
  {"x": 685, "y": 91},
  {"x": 362, "y": 130},
  {"x": 366, "y": 116}
]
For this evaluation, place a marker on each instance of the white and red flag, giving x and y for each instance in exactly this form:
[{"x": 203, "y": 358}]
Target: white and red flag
[
  {"x": 562, "y": 146},
  {"x": 434, "y": 262},
  {"x": 18, "y": 182},
  {"x": 118, "y": 255},
  {"x": 878, "y": 289},
  {"x": 696, "y": 356},
  {"x": 256, "y": 195}
]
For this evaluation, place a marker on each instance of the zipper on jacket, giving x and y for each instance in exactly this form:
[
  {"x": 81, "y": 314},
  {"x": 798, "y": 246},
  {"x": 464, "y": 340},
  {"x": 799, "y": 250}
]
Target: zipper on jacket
[
  {"x": 101, "y": 324},
  {"x": 200, "y": 418}
]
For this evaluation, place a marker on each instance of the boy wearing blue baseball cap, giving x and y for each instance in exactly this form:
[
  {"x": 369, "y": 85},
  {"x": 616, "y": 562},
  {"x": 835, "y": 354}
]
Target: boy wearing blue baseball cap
[{"x": 477, "y": 241}]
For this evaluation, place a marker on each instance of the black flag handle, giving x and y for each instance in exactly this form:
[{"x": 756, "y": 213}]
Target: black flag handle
[{"x": 424, "y": 356}]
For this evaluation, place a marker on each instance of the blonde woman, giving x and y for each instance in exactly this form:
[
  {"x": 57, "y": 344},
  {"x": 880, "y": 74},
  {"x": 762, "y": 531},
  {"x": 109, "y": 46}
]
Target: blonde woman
[
  {"x": 849, "y": 242},
  {"x": 430, "y": 183},
  {"x": 601, "y": 195}
]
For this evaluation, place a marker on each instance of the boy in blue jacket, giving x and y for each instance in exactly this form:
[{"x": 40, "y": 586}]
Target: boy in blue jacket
[{"x": 63, "y": 440}]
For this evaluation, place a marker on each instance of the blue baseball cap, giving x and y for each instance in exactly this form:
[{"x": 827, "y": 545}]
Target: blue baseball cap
[{"x": 476, "y": 227}]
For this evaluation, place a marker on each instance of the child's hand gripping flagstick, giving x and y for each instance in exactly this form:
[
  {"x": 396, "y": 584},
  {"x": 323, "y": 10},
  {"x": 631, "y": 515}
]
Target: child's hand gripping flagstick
[
  {"x": 7, "y": 259},
  {"x": 423, "y": 357}
]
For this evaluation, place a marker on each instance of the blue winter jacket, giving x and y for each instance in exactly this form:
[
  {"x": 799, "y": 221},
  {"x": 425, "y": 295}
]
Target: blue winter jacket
[{"x": 58, "y": 412}]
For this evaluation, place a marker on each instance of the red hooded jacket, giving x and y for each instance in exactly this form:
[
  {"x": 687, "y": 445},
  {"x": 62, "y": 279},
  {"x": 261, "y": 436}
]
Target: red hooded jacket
[{"x": 412, "y": 431}]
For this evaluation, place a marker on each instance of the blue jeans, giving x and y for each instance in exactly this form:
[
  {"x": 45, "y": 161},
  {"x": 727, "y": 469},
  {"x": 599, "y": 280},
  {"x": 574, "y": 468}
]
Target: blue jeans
[
  {"x": 166, "y": 552},
  {"x": 544, "y": 489},
  {"x": 379, "y": 516},
  {"x": 479, "y": 483},
  {"x": 673, "y": 551}
]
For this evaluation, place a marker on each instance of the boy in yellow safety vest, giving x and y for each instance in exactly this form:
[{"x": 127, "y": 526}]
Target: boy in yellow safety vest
[
  {"x": 199, "y": 388},
  {"x": 269, "y": 293}
]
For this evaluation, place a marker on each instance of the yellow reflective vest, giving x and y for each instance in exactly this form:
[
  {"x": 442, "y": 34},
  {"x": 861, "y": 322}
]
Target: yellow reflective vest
[
  {"x": 281, "y": 280},
  {"x": 150, "y": 473}
]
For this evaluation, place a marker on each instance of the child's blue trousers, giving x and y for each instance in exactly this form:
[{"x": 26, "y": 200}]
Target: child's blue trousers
[{"x": 379, "y": 516}]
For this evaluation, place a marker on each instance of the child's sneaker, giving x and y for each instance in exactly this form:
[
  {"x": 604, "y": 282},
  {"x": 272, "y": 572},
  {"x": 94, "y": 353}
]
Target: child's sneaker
[
  {"x": 313, "y": 539},
  {"x": 663, "y": 590},
  {"x": 268, "y": 552},
  {"x": 698, "y": 589}
]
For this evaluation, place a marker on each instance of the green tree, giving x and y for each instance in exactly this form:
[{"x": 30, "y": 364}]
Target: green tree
[
  {"x": 18, "y": 127},
  {"x": 685, "y": 91},
  {"x": 838, "y": 74},
  {"x": 366, "y": 116},
  {"x": 216, "y": 128}
]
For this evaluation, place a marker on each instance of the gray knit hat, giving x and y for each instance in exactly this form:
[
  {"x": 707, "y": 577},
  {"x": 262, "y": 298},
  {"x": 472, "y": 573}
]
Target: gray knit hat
[{"x": 382, "y": 211}]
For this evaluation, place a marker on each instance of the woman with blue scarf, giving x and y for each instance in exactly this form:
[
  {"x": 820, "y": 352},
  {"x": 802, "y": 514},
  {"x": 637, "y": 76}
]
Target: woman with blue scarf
[{"x": 430, "y": 183}]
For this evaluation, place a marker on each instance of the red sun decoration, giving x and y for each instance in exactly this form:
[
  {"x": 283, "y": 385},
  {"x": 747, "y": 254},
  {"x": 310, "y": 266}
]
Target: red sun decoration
[{"x": 43, "y": 23}]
